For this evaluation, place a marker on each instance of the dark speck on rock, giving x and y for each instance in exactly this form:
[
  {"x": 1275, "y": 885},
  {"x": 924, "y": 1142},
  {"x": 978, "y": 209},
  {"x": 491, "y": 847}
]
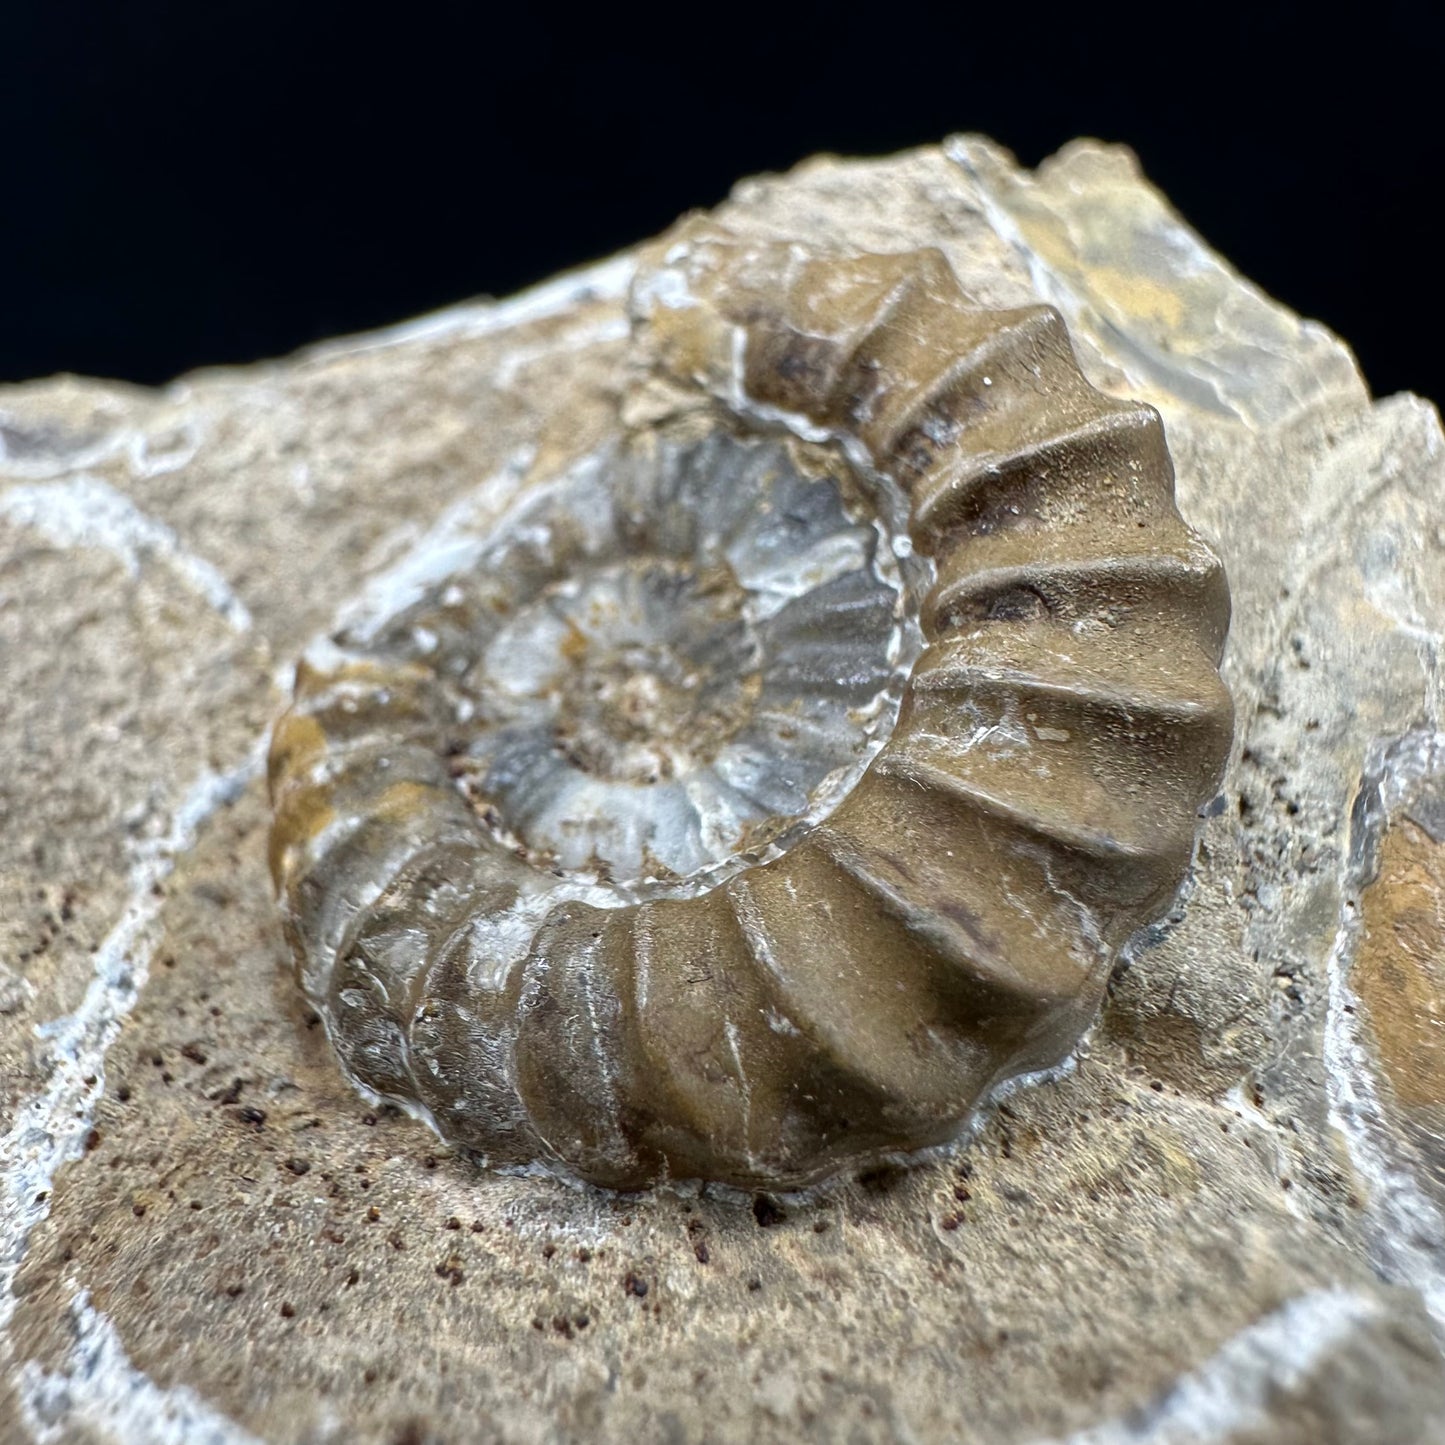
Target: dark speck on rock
[{"x": 767, "y": 1211}]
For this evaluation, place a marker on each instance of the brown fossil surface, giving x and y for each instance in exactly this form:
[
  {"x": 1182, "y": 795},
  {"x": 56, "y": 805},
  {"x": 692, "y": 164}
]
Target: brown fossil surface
[
  {"x": 651, "y": 946},
  {"x": 1222, "y": 1222}
]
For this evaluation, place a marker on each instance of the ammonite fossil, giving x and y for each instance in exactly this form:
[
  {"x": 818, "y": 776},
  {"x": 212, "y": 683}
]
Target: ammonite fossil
[{"x": 777, "y": 781}]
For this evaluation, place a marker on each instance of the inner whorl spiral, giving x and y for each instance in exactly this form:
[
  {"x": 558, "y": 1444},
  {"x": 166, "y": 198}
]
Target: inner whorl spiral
[
  {"x": 776, "y": 781},
  {"x": 667, "y": 659}
]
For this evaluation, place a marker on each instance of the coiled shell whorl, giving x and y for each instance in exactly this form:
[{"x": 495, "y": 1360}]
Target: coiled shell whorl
[{"x": 774, "y": 783}]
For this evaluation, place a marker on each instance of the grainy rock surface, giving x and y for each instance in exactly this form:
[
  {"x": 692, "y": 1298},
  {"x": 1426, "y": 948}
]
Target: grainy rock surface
[{"x": 1226, "y": 1223}]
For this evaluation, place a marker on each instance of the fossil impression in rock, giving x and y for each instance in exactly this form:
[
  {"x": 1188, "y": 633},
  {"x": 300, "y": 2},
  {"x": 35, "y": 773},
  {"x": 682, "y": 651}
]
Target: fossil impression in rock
[{"x": 779, "y": 779}]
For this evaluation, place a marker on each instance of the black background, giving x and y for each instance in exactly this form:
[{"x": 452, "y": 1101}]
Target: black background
[{"x": 193, "y": 181}]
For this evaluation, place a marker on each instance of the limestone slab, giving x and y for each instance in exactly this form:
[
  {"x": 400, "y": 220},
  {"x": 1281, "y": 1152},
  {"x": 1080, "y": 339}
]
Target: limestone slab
[{"x": 1224, "y": 1223}]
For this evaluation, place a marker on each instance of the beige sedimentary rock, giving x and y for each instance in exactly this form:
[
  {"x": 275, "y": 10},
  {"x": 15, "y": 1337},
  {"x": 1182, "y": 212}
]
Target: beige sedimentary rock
[{"x": 1221, "y": 1223}]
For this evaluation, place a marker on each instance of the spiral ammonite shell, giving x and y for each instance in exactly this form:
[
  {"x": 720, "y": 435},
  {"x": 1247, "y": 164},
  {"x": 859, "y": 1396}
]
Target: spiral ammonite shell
[{"x": 778, "y": 780}]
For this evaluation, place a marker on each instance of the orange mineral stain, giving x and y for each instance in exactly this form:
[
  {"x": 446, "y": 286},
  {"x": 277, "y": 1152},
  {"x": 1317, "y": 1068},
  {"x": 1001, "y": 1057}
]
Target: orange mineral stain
[{"x": 1399, "y": 972}]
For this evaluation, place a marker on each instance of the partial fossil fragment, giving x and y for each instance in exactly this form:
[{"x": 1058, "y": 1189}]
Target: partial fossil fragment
[{"x": 785, "y": 775}]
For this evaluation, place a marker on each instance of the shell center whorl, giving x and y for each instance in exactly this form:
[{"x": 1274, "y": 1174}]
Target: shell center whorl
[
  {"x": 655, "y": 671},
  {"x": 672, "y": 660}
]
